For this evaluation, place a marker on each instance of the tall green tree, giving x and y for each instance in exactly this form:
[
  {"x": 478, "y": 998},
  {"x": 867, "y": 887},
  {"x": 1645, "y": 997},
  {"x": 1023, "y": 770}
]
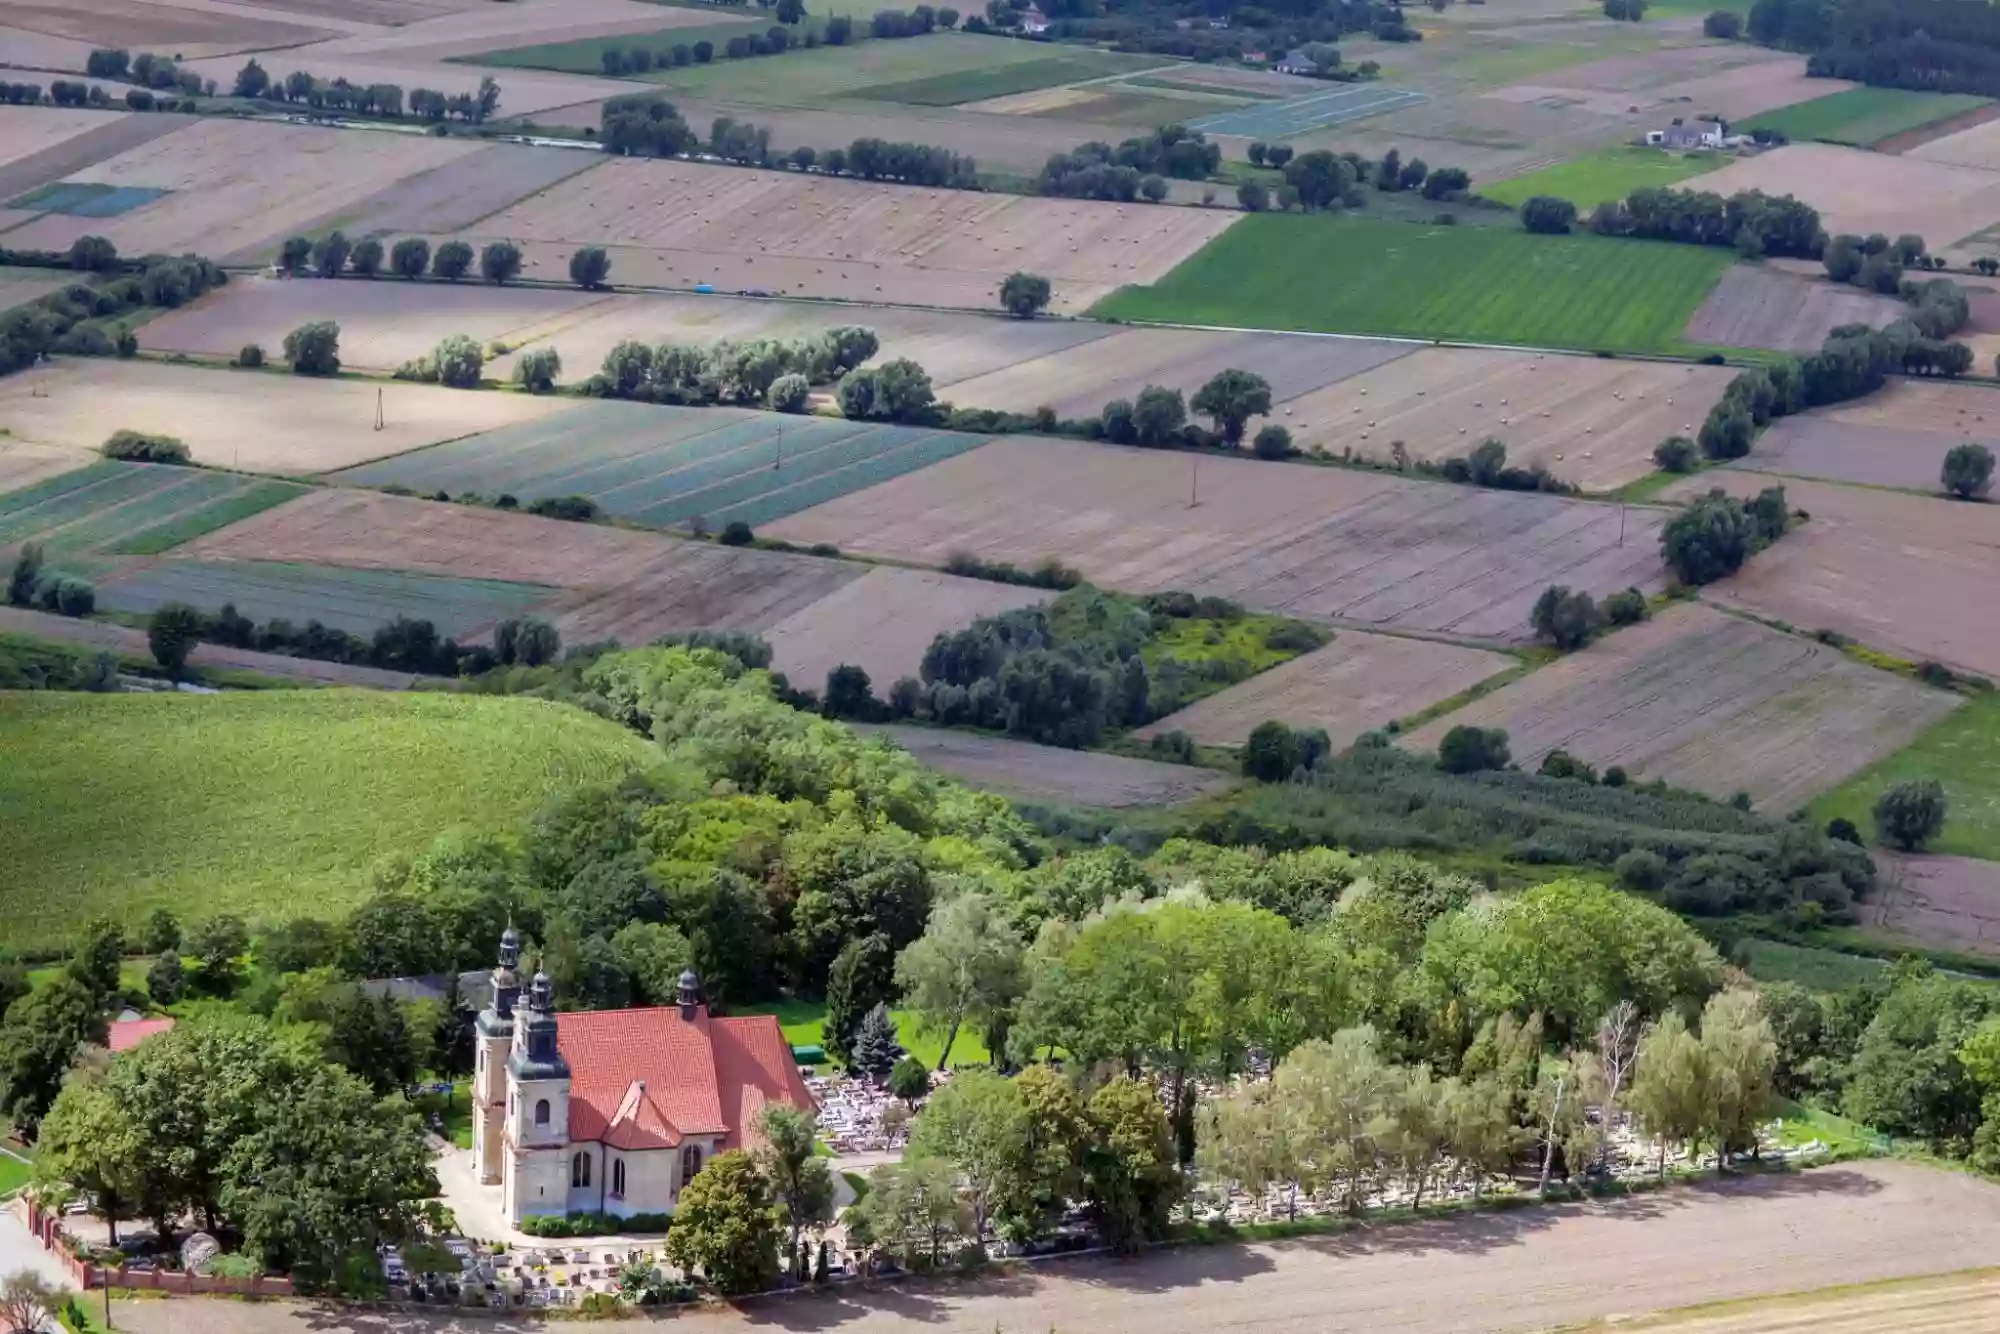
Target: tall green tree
[
  {"x": 88, "y": 1143},
  {"x": 1740, "y": 1056},
  {"x": 727, "y": 1226},
  {"x": 1232, "y": 398},
  {"x": 1670, "y": 1085},
  {"x": 1910, "y": 813},
  {"x": 913, "y": 1210},
  {"x": 39, "y": 1040},
  {"x": 800, "y": 1180},
  {"x": 1130, "y": 1180},
  {"x": 966, "y": 967}
]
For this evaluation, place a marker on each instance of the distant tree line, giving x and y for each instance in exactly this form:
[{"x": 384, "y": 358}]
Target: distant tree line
[
  {"x": 1136, "y": 167},
  {"x": 499, "y": 262},
  {"x": 405, "y": 644},
  {"x": 1324, "y": 180},
  {"x": 81, "y": 319},
  {"x": 1931, "y": 45},
  {"x": 1156, "y": 29},
  {"x": 648, "y": 125},
  {"x": 1874, "y": 263},
  {"x": 1751, "y": 221},
  {"x": 386, "y": 100},
  {"x": 618, "y": 60},
  {"x": 31, "y": 583},
  {"x": 760, "y": 372},
  {"x": 155, "y": 72}
]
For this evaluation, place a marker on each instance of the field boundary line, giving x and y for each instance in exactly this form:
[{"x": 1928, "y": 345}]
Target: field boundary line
[
  {"x": 565, "y": 179},
  {"x": 1800, "y": 1297}
]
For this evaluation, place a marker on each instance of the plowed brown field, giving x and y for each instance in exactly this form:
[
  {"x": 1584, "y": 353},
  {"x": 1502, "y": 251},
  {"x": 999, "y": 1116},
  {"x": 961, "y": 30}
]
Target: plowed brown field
[
  {"x": 1711, "y": 702},
  {"x": 1368, "y": 548},
  {"x": 1754, "y": 306},
  {"x": 1357, "y": 682},
  {"x": 1941, "y": 903},
  {"x": 1862, "y": 192},
  {"x": 1024, "y": 770},
  {"x": 883, "y": 622}
]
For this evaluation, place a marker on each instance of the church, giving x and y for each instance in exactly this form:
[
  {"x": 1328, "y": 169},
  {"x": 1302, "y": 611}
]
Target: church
[{"x": 613, "y": 1111}]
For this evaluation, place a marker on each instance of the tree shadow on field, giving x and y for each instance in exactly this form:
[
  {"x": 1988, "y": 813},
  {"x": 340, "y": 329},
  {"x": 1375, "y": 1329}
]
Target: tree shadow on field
[{"x": 927, "y": 1300}]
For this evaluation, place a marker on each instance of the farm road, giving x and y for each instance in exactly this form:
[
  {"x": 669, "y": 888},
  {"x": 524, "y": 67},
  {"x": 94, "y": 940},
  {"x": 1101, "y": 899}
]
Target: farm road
[
  {"x": 1504, "y": 1273},
  {"x": 99, "y": 634}
]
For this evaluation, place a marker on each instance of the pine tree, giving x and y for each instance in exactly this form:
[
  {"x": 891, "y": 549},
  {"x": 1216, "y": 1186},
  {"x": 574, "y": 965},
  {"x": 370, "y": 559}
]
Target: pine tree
[
  {"x": 861, "y": 977},
  {"x": 875, "y": 1050}
]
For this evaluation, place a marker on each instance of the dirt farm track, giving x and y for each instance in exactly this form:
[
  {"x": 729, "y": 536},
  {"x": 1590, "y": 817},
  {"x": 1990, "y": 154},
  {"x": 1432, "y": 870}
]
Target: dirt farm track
[{"x": 1506, "y": 1273}]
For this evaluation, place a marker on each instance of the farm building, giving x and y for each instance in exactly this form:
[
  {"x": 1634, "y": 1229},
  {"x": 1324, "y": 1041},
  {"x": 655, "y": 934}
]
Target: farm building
[
  {"x": 1297, "y": 62},
  {"x": 1033, "y": 20},
  {"x": 1700, "y": 134}
]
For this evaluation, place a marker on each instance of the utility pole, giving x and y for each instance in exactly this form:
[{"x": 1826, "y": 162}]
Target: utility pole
[
  {"x": 1194, "y": 479},
  {"x": 378, "y": 407},
  {"x": 781, "y": 448}
]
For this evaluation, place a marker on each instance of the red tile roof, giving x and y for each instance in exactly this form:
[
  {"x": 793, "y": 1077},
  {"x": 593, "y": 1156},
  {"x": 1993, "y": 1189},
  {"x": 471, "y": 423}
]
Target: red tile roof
[
  {"x": 126, "y": 1034},
  {"x": 647, "y": 1079}
]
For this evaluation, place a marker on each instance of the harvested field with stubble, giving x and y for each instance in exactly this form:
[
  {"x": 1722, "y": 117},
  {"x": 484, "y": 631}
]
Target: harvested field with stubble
[
  {"x": 883, "y": 622},
  {"x": 382, "y": 323},
  {"x": 1358, "y": 682},
  {"x": 227, "y": 418},
  {"x": 1897, "y": 572},
  {"x": 239, "y": 187},
  {"x": 26, "y": 131},
  {"x": 1028, "y": 772},
  {"x": 678, "y": 224},
  {"x": 459, "y": 193},
  {"x": 1896, "y": 437},
  {"x": 619, "y": 584},
  {"x": 182, "y": 30},
  {"x": 1935, "y": 902},
  {"x": 1756, "y": 306},
  {"x": 23, "y": 464},
  {"x": 1862, "y": 192},
  {"x": 1317, "y": 542},
  {"x": 1967, "y": 1303},
  {"x": 1591, "y": 422},
  {"x": 1708, "y": 701}
]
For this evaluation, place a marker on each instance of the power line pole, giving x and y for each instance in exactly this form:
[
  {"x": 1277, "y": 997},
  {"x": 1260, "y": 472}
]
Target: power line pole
[
  {"x": 1194, "y": 479},
  {"x": 378, "y": 407}
]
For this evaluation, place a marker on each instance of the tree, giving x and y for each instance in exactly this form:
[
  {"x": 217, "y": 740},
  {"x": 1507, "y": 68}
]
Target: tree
[
  {"x": 897, "y": 391},
  {"x": 800, "y": 1181},
  {"x": 1565, "y": 618},
  {"x": 1130, "y": 1180},
  {"x": 1232, "y": 398},
  {"x": 500, "y": 262},
  {"x": 1708, "y": 539},
  {"x": 727, "y": 1226},
  {"x": 860, "y": 978},
  {"x": 294, "y": 253},
  {"x": 536, "y": 369},
  {"x": 366, "y": 257},
  {"x": 1252, "y": 197},
  {"x": 410, "y": 256},
  {"x": 27, "y": 1302},
  {"x": 451, "y": 261},
  {"x": 162, "y": 931},
  {"x": 1024, "y": 295},
  {"x": 1723, "y": 24},
  {"x": 791, "y": 392},
  {"x": 172, "y": 632},
  {"x": 1669, "y": 1094},
  {"x": 458, "y": 360},
  {"x": 38, "y": 1040},
  {"x": 1548, "y": 215},
  {"x": 1467, "y": 750},
  {"x": 164, "y": 980},
  {"x": 1676, "y": 454},
  {"x": 217, "y": 945},
  {"x": 329, "y": 254},
  {"x": 251, "y": 81},
  {"x": 92, "y": 254},
  {"x": 590, "y": 266},
  {"x": 1968, "y": 471},
  {"x": 1273, "y": 442},
  {"x": 26, "y": 576},
  {"x": 94, "y": 962},
  {"x": 1739, "y": 1057},
  {"x": 875, "y": 1050},
  {"x": 1910, "y": 813},
  {"x": 965, "y": 968},
  {"x": 848, "y": 693},
  {"x": 1157, "y": 415},
  {"x": 314, "y": 348},
  {"x": 911, "y": 1209}
]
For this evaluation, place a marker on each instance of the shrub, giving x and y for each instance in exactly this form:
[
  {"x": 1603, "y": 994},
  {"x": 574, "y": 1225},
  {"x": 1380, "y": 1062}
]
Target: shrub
[
  {"x": 1024, "y": 295},
  {"x": 537, "y": 369},
  {"x": 138, "y": 447},
  {"x": 1843, "y": 829},
  {"x": 459, "y": 361},
  {"x": 1641, "y": 870},
  {"x": 314, "y": 348},
  {"x": 251, "y": 357},
  {"x": 1968, "y": 471},
  {"x": 1625, "y": 607},
  {"x": 1272, "y": 442},
  {"x": 1910, "y": 813},
  {"x": 577, "y": 509},
  {"x": 1559, "y": 763},
  {"x": 1676, "y": 454},
  {"x": 451, "y": 260},
  {"x": 789, "y": 393},
  {"x": 736, "y": 533},
  {"x": 1548, "y": 215},
  {"x": 1467, "y": 749},
  {"x": 1564, "y": 617}
]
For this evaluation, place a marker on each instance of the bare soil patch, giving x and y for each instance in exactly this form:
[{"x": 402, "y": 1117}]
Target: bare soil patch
[
  {"x": 1079, "y": 384},
  {"x": 238, "y": 187},
  {"x": 622, "y": 584},
  {"x": 1368, "y": 548},
  {"x": 1592, "y": 422},
  {"x": 388, "y": 13},
  {"x": 1726, "y": 1240},
  {"x": 1730, "y": 82},
  {"x": 680, "y": 223},
  {"x": 1030, "y": 772},
  {"x": 25, "y": 131},
  {"x": 1862, "y": 192},
  {"x": 1359, "y": 681},
  {"x": 112, "y": 134},
  {"x": 883, "y": 622},
  {"x": 1756, "y": 306},
  {"x": 458, "y": 194},
  {"x": 1896, "y": 572},
  {"x": 1711, "y": 702},
  {"x": 1897, "y": 437},
  {"x": 382, "y": 323},
  {"x": 257, "y": 422},
  {"x": 164, "y": 27},
  {"x": 23, "y": 464},
  {"x": 1943, "y": 903}
]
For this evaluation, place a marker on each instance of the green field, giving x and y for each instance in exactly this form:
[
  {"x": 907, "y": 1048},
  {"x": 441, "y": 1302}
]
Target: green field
[
  {"x": 990, "y": 79},
  {"x": 1862, "y": 116},
  {"x": 1598, "y": 178},
  {"x": 800, "y": 1022},
  {"x": 84, "y": 516},
  {"x": 585, "y": 55},
  {"x": 1821, "y": 970},
  {"x": 270, "y": 804},
  {"x": 667, "y": 466},
  {"x": 14, "y": 1174},
  {"x": 354, "y": 600},
  {"x": 1962, "y": 751},
  {"x": 1486, "y": 284}
]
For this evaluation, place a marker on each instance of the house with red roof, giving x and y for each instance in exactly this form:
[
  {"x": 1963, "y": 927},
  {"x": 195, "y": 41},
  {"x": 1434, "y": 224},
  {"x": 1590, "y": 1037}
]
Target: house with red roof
[
  {"x": 125, "y": 1034},
  {"x": 614, "y": 1111}
]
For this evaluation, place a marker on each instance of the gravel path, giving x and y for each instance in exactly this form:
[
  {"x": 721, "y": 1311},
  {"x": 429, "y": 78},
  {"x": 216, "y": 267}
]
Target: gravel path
[{"x": 1503, "y": 1273}]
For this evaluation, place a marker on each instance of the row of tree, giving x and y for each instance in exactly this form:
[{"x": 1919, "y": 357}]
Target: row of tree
[
  {"x": 767, "y": 372},
  {"x": 1751, "y": 221},
  {"x": 406, "y": 644},
  {"x": 300, "y": 88},
  {"x": 334, "y": 255},
  {"x": 84, "y": 320}
]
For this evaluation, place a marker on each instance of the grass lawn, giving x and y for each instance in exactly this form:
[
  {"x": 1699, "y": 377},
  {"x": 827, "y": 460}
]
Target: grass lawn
[
  {"x": 1821, "y": 970},
  {"x": 1861, "y": 116},
  {"x": 455, "y": 1111},
  {"x": 800, "y": 1022},
  {"x": 14, "y": 1174},
  {"x": 1487, "y": 284},
  {"x": 1961, "y": 751},
  {"x": 271, "y": 804},
  {"x": 1597, "y": 178}
]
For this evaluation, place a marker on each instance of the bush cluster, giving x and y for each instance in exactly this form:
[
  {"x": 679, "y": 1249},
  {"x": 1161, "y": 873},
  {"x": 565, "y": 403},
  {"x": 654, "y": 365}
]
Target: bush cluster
[
  {"x": 1136, "y": 168},
  {"x": 729, "y": 372},
  {"x": 1710, "y": 538},
  {"x": 139, "y": 447},
  {"x": 32, "y": 584},
  {"x": 71, "y": 320},
  {"x": 1750, "y": 220},
  {"x": 405, "y": 644}
]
